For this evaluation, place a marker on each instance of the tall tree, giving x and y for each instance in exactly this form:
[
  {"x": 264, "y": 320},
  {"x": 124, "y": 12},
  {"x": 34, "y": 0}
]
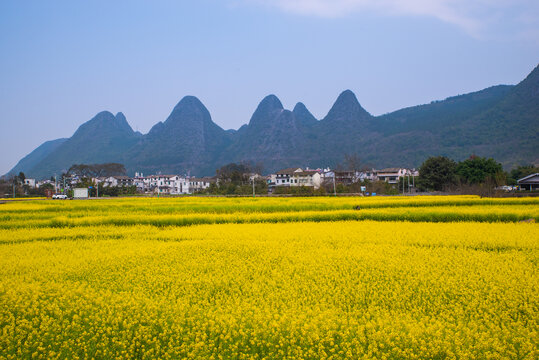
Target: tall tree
[
  {"x": 353, "y": 162},
  {"x": 437, "y": 173},
  {"x": 476, "y": 170},
  {"x": 236, "y": 174}
]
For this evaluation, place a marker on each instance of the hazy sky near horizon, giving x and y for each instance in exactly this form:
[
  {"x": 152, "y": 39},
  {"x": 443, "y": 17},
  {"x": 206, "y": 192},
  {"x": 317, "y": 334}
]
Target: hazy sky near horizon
[{"x": 64, "y": 61}]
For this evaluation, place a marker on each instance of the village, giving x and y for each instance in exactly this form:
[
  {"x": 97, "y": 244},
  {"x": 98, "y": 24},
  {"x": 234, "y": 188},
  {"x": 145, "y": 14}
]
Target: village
[
  {"x": 101, "y": 180},
  {"x": 293, "y": 177}
]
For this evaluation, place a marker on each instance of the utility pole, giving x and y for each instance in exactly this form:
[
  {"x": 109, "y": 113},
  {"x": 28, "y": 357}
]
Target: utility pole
[
  {"x": 14, "y": 188},
  {"x": 253, "y": 186},
  {"x": 334, "y": 186}
]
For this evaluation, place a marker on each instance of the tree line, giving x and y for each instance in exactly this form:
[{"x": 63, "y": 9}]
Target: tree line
[{"x": 474, "y": 175}]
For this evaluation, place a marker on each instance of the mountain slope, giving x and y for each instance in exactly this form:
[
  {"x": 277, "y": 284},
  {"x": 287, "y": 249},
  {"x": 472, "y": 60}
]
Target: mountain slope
[
  {"x": 408, "y": 136},
  {"x": 304, "y": 116},
  {"x": 509, "y": 131},
  {"x": 35, "y": 157},
  {"x": 501, "y": 122},
  {"x": 437, "y": 114},
  {"x": 104, "y": 138},
  {"x": 273, "y": 136},
  {"x": 346, "y": 111},
  {"x": 185, "y": 142},
  {"x": 338, "y": 133}
]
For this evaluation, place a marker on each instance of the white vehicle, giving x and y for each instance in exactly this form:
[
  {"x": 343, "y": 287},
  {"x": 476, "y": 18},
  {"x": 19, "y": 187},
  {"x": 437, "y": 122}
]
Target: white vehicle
[
  {"x": 506, "y": 188},
  {"x": 60, "y": 196}
]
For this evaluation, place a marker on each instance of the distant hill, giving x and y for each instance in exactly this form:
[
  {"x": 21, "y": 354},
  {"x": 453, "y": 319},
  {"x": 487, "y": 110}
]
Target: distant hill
[
  {"x": 501, "y": 122},
  {"x": 188, "y": 141},
  {"x": 273, "y": 137},
  {"x": 33, "y": 159},
  {"x": 103, "y": 139}
]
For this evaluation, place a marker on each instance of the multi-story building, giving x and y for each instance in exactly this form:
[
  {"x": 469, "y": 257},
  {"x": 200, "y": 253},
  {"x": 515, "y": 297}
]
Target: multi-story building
[
  {"x": 141, "y": 182},
  {"x": 30, "y": 182},
  {"x": 310, "y": 178},
  {"x": 198, "y": 184},
  {"x": 118, "y": 181},
  {"x": 285, "y": 177},
  {"x": 169, "y": 184},
  {"x": 392, "y": 175}
]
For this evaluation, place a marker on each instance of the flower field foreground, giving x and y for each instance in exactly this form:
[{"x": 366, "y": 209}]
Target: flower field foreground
[{"x": 301, "y": 289}]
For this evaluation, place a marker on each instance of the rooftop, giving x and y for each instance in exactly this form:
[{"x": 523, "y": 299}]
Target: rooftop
[
  {"x": 389, "y": 170},
  {"x": 532, "y": 178},
  {"x": 288, "y": 171}
]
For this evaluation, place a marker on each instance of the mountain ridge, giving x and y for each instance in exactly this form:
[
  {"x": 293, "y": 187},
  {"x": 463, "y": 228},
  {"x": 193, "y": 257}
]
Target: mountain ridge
[{"x": 500, "y": 121}]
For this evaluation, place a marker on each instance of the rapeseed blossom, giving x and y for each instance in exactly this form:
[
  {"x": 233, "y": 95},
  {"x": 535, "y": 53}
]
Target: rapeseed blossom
[{"x": 310, "y": 287}]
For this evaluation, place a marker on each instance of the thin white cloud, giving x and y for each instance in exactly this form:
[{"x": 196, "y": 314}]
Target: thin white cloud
[{"x": 476, "y": 17}]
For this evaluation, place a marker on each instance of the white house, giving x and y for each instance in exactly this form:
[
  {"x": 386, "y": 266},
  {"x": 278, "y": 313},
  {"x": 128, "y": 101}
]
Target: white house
[
  {"x": 117, "y": 181},
  {"x": 44, "y": 182},
  {"x": 306, "y": 178},
  {"x": 181, "y": 185},
  {"x": 392, "y": 175},
  {"x": 30, "y": 182},
  {"x": 284, "y": 177},
  {"x": 530, "y": 182},
  {"x": 370, "y": 175},
  {"x": 168, "y": 184},
  {"x": 197, "y": 184},
  {"x": 163, "y": 184},
  {"x": 141, "y": 182}
]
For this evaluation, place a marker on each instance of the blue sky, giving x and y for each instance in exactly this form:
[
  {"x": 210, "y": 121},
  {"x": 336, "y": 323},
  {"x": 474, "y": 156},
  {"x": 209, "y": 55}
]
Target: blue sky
[{"x": 64, "y": 61}]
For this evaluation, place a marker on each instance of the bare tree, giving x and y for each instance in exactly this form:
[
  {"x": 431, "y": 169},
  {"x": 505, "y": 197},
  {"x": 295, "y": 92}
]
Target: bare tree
[
  {"x": 353, "y": 162},
  {"x": 97, "y": 170}
]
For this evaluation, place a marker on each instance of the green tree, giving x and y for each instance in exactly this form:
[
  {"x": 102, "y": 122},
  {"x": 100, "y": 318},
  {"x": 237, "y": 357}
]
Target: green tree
[
  {"x": 519, "y": 172},
  {"x": 237, "y": 174},
  {"x": 437, "y": 173},
  {"x": 477, "y": 170},
  {"x": 43, "y": 188}
]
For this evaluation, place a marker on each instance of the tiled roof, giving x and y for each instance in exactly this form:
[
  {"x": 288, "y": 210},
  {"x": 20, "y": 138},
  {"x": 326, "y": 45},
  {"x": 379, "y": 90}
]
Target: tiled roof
[
  {"x": 389, "y": 170},
  {"x": 529, "y": 178},
  {"x": 288, "y": 171}
]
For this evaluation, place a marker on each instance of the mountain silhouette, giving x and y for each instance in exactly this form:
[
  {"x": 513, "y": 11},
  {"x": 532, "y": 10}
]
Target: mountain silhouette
[{"x": 501, "y": 122}]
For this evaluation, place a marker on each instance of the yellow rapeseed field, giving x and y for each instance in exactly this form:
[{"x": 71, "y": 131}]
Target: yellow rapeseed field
[{"x": 291, "y": 278}]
